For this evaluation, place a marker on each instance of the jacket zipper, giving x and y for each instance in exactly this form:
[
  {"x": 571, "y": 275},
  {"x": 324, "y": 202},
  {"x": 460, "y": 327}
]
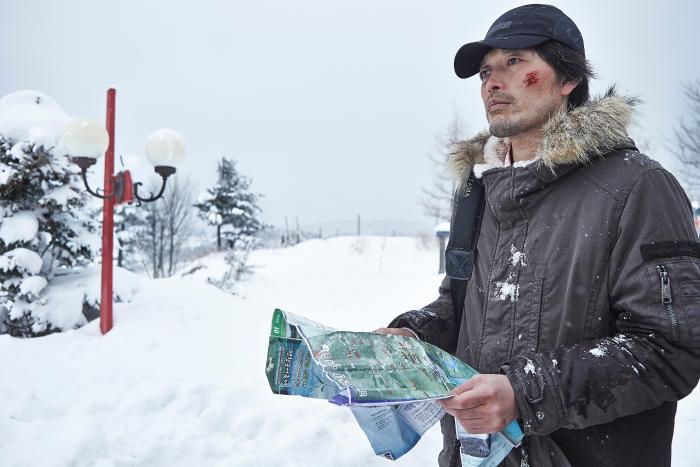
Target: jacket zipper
[{"x": 667, "y": 300}]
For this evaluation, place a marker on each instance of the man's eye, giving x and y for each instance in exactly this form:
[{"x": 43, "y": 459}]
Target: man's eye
[
  {"x": 512, "y": 60},
  {"x": 483, "y": 74}
]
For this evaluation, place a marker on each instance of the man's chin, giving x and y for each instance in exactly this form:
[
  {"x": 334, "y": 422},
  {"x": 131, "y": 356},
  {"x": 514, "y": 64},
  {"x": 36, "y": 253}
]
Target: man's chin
[{"x": 502, "y": 128}]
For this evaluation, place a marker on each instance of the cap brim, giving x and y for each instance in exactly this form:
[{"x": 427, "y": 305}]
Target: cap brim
[{"x": 469, "y": 56}]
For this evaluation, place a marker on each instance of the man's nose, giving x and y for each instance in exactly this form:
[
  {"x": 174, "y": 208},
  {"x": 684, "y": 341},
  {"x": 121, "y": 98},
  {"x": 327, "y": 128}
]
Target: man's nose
[{"x": 494, "y": 82}]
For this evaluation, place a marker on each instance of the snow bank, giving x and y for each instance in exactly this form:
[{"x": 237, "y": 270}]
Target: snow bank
[
  {"x": 179, "y": 381},
  {"x": 62, "y": 300}
]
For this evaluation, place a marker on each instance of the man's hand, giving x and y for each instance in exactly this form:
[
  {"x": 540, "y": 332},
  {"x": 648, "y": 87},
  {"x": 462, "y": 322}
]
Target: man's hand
[
  {"x": 484, "y": 404},
  {"x": 394, "y": 331}
]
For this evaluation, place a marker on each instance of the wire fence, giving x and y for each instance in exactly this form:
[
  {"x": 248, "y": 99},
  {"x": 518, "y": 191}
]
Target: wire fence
[{"x": 293, "y": 230}]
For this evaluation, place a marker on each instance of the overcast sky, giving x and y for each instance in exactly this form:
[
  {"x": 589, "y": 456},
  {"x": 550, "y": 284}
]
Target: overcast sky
[{"x": 330, "y": 107}]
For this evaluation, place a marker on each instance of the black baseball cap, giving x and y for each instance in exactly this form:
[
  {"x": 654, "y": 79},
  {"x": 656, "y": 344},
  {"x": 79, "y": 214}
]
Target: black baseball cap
[{"x": 520, "y": 28}]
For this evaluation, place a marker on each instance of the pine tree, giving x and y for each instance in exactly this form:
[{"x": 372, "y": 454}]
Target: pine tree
[
  {"x": 44, "y": 226},
  {"x": 231, "y": 207}
]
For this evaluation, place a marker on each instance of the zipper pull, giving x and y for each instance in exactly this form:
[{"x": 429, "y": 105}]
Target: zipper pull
[{"x": 665, "y": 284}]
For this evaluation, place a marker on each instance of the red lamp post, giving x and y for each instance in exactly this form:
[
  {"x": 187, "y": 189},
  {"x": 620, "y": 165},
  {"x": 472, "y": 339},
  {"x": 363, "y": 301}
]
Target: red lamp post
[
  {"x": 86, "y": 140},
  {"x": 108, "y": 221}
]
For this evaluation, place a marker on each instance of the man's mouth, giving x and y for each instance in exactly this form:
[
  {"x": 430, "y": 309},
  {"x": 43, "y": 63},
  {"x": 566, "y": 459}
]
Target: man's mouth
[{"x": 497, "y": 104}]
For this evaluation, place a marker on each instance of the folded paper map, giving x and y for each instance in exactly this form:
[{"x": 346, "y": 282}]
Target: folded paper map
[{"x": 391, "y": 384}]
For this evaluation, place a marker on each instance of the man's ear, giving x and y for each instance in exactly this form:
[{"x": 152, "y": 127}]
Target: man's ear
[{"x": 568, "y": 87}]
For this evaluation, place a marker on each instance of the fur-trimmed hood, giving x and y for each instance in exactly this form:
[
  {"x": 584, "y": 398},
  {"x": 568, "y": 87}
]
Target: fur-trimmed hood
[{"x": 576, "y": 136}]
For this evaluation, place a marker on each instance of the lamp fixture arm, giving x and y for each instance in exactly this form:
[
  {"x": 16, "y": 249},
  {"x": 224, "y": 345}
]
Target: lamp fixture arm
[
  {"x": 85, "y": 163},
  {"x": 164, "y": 171}
]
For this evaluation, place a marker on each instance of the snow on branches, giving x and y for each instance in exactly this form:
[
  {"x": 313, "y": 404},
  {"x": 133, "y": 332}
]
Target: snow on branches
[
  {"x": 44, "y": 226},
  {"x": 231, "y": 206}
]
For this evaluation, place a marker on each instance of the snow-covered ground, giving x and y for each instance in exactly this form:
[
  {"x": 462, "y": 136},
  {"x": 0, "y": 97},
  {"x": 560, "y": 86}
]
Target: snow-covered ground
[{"x": 180, "y": 379}]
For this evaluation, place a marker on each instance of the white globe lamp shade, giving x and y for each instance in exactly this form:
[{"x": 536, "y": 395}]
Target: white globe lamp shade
[
  {"x": 85, "y": 137},
  {"x": 165, "y": 147}
]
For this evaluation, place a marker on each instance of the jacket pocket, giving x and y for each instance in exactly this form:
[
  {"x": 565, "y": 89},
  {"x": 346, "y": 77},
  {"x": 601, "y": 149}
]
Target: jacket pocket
[
  {"x": 675, "y": 286},
  {"x": 528, "y": 319},
  {"x": 690, "y": 299}
]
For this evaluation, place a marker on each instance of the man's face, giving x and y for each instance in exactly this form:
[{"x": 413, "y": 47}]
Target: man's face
[{"x": 520, "y": 91}]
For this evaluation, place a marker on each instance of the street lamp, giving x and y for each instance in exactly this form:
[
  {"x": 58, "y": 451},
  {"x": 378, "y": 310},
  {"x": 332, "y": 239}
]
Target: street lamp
[{"x": 86, "y": 140}]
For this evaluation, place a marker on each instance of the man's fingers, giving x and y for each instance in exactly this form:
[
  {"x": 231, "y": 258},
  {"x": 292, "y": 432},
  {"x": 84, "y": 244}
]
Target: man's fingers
[
  {"x": 483, "y": 404},
  {"x": 481, "y": 412},
  {"x": 471, "y": 398},
  {"x": 468, "y": 385},
  {"x": 478, "y": 425},
  {"x": 393, "y": 331},
  {"x": 462, "y": 402}
]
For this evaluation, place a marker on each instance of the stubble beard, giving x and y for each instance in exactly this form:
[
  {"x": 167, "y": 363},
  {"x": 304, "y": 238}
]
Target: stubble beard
[
  {"x": 503, "y": 127},
  {"x": 506, "y": 127}
]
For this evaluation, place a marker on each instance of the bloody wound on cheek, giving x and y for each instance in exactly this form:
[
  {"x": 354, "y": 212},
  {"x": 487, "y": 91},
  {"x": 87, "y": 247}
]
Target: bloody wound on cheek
[{"x": 531, "y": 78}]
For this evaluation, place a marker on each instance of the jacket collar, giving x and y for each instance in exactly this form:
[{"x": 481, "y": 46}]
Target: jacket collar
[{"x": 570, "y": 139}]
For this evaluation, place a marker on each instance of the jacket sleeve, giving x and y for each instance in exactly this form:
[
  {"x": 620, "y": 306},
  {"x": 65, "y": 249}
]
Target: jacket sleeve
[
  {"x": 435, "y": 323},
  {"x": 654, "y": 354}
]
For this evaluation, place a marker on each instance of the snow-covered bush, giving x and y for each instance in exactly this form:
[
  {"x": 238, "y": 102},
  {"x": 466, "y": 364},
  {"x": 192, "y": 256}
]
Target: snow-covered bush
[
  {"x": 237, "y": 265},
  {"x": 44, "y": 224}
]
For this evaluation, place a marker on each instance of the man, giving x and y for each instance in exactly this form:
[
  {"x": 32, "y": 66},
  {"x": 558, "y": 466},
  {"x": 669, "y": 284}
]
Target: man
[{"x": 583, "y": 308}]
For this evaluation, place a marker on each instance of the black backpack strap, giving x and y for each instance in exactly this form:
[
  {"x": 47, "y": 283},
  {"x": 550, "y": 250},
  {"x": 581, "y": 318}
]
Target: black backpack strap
[{"x": 467, "y": 210}]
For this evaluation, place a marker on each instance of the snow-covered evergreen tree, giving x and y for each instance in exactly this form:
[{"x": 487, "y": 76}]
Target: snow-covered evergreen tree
[
  {"x": 231, "y": 207},
  {"x": 44, "y": 226}
]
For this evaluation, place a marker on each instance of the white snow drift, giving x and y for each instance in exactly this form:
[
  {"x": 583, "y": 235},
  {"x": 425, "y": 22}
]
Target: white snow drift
[{"x": 179, "y": 381}]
